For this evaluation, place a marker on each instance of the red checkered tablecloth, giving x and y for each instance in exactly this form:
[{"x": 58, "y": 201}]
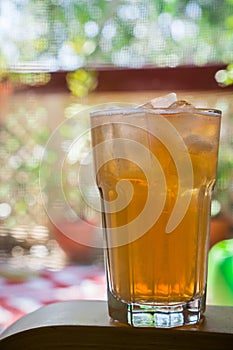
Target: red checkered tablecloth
[{"x": 22, "y": 292}]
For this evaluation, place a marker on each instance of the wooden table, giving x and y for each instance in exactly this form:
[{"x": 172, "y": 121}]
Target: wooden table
[{"x": 86, "y": 325}]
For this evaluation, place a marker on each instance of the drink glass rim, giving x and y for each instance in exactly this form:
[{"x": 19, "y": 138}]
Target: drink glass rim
[{"x": 167, "y": 111}]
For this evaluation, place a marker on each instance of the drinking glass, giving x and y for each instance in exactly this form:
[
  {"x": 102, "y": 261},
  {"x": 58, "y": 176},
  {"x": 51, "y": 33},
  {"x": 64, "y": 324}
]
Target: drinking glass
[{"x": 155, "y": 171}]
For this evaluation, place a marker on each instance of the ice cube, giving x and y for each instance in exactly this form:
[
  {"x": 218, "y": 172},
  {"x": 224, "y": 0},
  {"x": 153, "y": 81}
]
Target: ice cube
[
  {"x": 181, "y": 104},
  {"x": 161, "y": 102},
  {"x": 197, "y": 144}
]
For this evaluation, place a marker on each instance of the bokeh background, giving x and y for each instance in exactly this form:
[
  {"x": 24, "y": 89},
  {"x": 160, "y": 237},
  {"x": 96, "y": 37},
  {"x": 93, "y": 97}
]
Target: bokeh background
[{"x": 52, "y": 54}]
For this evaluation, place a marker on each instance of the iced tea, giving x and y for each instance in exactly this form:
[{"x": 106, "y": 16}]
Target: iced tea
[{"x": 159, "y": 272}]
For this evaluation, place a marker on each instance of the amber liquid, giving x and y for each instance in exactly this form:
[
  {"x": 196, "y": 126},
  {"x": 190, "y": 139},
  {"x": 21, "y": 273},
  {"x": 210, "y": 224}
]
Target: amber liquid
[{"x": 159, "y": 267}]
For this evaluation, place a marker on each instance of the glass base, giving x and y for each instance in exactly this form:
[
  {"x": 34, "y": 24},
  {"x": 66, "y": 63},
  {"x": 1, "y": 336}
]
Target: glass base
[{"x": 157, "y": 316}]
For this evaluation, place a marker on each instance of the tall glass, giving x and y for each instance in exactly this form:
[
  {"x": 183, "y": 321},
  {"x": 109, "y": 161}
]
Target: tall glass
[{"x": 156, "y": 170}]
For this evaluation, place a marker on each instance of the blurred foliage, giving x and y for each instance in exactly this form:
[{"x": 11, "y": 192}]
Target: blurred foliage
[
  {"x": 51, "y": 35},
  {"x": 81, "y": 82},
  {"x": 225, "y": 175},
  {"x": 225, "y": 76},
  {"x": 69, "y": 34},
  {"x": 30, "y": 79}
]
